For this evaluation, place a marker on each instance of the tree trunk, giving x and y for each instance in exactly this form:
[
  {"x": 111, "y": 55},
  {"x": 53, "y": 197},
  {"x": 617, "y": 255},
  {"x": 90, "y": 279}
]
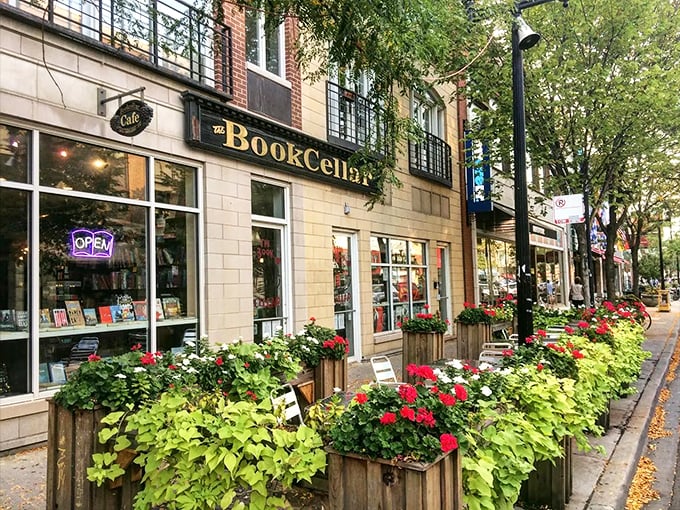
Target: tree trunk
[{"x": 582, "y": 269}]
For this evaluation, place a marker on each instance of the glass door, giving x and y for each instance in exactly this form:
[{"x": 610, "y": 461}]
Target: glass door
[{"x": 344, "y": 290}]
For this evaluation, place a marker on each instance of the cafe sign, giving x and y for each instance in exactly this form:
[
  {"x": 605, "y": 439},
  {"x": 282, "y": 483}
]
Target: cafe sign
[
  {"x": 222, "y": 129},
  {"x": 131, "y": 118}
]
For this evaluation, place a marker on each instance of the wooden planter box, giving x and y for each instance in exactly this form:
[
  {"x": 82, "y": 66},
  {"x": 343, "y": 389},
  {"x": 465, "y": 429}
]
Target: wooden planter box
[
  {"x": 304, "y": 387},
  {"x": 72, "y": 439},
  {"x": 470, "y": 339},
  {"x": 329, "y": 374},
  {"x": 356, "y": 482},
  {"x": 420, "y": 349},
  {"x": 550, "y": 484}
]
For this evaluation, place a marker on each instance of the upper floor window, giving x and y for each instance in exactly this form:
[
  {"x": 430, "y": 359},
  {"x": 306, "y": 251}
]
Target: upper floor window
[
  {"x": 265, "y": 45},
  {"x": 429, "y": 114},
  {"x": 430, "y": 157},
  {"x": 352, "y": 118}
]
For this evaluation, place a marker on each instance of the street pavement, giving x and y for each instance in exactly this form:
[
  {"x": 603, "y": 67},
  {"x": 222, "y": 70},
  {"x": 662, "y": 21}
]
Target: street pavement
[{"x": 601, "y": 482}]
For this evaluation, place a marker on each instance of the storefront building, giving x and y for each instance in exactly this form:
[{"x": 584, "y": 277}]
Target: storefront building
[{"x": 233, "y": 212}]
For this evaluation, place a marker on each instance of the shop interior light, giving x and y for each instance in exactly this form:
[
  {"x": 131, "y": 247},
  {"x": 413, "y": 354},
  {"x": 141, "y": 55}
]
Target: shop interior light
[
  {"x": 63, "y": 153},
  {"x": 99, "y": 164}
]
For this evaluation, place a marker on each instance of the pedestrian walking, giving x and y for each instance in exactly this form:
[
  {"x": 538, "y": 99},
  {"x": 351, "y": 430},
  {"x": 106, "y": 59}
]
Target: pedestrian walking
[
  {"x": 576, "y": 293},
  {"x": 550, "y": 292}
]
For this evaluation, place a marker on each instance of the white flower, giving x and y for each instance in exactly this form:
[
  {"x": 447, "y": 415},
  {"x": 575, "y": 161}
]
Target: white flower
[
  {"x": 312, "y": 339},
  {"x": 189, "y": 343},
  {"x": 459, "y": 379},
  {"x": 120, "y": 376},
  {"x": 278, "y": 328},
  {"x": 337, "y": 390},
  {"x": 231, "y": 356},
  {"x": 475, "y": 377},
  {"x": 486, "y": 391},
  {"x": 186, "y": 362},
  {"x": 193, "y": 355},
  {"x": 139, "y": 369},
  {"x": 485, "y": 366},
  {"x": 505, "y": 371},
  {"x": 258, "y": 356},
  {"x": 190, "y": 370},
  {"x": 455, "y": 363}
]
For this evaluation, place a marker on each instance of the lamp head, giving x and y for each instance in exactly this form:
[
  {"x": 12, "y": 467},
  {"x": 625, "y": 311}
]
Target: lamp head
[{"x": 526, "y": 36}]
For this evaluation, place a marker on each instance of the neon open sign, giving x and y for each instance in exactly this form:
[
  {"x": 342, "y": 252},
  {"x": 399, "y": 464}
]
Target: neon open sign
[{"x": 86, "y": 243}]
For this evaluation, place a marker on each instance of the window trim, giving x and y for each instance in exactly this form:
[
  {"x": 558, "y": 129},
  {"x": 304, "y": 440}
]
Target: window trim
[{"x": 261, "y": 36}]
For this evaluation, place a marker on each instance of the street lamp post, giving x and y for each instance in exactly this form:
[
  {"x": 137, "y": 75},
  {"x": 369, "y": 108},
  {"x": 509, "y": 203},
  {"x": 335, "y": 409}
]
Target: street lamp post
[{"x": 522, "y": 38}]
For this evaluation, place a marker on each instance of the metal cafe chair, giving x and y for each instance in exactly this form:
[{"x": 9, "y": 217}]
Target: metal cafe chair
[
  {"x": 284, "y": 397},
  {"x": 383, "y": 371}
]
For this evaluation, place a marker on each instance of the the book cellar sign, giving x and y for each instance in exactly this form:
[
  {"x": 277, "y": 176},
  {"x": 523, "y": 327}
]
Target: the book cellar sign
[{"x": 218, "y": 128}]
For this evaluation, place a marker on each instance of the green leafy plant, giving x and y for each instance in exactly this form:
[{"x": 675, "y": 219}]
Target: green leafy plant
[
  {"x": 118, "y": 381},
  {"x": 200, "y": 450},
  {"x": 424, "y": 322},
  {"x": 409, "y": 423}
]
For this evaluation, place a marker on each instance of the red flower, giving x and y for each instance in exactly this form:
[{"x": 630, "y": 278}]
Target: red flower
[
  {"x": 246, "y": 364},
  {"x": 568, "y": 329},
  {"x": 251, "y": 394},
  {"x": 423, "y": 371},
  {"x": 172, "y": 367},
  {"x": 136, "y": 347},
  {"x": 312, "y": 319},
  {"x": 407, "y": 413},
  {"x": 539, "y": 367},
  {"x": 577, "y": 354},
  {"x": 398, "y": 324},
  {"x": 425, "y": 417},
  {"x": 361, "y": 398},
  {"x": 447, "y": 399},
  {"x": 408, "y": 393},
  {"x": 448, "y": 442},
  {"x": 582, "y": 324},
  {"x": 461, "y": 392},
  {"x": 388, "y": 418},
  {"x": 148, "y": 359},
  {"x": 508, "y": 352},
  {"x": 93, "y": 357},
  {"x": 542, "y": 332},
  {"x": 219, "y": 361},
  {"x": 427, "y": 307}
]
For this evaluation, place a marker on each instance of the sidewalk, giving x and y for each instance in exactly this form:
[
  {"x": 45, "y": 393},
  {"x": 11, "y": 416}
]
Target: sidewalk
[{"x": 600, "y": 482}]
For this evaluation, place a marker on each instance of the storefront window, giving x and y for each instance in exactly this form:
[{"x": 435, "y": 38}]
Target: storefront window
[
  {"x": 14, "y": 151},
  {"x": 92, "y": 280},
  {"x": 90, "y": 240},
  {"x": 269, "y": 276},
  {"x": 175, "y": 184},
  {"x": 72, "y": 165},
  {"x": 399, "y": 278},
  {"x": 14, "y": 302},
  {"x": 176, "y": 276},
  {"x": 495, "y": 269}
]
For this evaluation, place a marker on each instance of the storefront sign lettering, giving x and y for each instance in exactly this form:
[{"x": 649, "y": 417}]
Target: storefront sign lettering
[
  {"x": 222, "y": 129},
  {"x": 86, "y": 243},
  {"x": 131, "y": 118}
]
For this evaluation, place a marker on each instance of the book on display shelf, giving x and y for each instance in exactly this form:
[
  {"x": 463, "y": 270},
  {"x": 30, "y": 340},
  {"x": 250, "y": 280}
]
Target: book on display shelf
[
  {"x": 159, "y": 310},
  {"x": 105, "y": 316},
  {"x": 7, "y": 318},
  {"x": 141, "y": 313},
  {"x": 75, "y": 313},
  {"x": 21, "y": 319},
  {"x": 60, "y": 317},
  {"x": 171, "y": 307},
  {"x": 43, "y": 374},
  {"x": 116, "y": 313},
  {"x": 90, "y": 315},
  {"x": 127, "y": 312},
  {"x": 46, "y": 318}
]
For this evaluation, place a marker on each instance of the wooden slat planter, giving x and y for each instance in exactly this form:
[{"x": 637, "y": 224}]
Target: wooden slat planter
[
  {"x": 356, "y": 482},
  {"x": 470, "y": 339},
  {"x": 550, "y": 484},
  {"x": 304, "y": 385},
  {"x": 329, "y": 374},
  {"x": 420, "y": 349},
  {"x": 72, "y": 439}
]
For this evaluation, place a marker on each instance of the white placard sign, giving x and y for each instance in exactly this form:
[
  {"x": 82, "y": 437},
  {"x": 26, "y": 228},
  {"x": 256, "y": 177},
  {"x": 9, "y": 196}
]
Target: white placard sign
[{"x": 568, "y": 209}]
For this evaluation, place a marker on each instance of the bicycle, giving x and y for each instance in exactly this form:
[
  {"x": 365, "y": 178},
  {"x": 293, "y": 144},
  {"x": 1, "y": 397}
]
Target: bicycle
[{"x": 641, "y": 314}]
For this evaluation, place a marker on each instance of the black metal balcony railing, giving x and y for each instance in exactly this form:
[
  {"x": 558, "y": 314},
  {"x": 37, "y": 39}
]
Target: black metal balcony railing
[
  {"x": 351, "y": 119},
  {"x": 431, "y": 159},
  {"x": 168, "y": 34}
]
